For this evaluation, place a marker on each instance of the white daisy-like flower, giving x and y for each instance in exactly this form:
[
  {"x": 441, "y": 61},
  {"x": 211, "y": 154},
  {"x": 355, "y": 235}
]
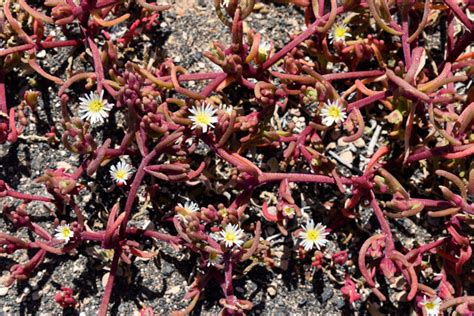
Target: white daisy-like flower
[
  {"x": 332, "y": 113},
  {"x": 214, "y": 258},
  {"x": 231, "y": 235},
  {"x": 64, "y": 232},
  {"x": 313, "y": 236},
  {"x": 94, "y": 108},
  {"x": 203, "y": 116},
  {"x": 470, "y": 15},
  {"x": 121, "y": 172},
  {"x": 288, "y": 211},
  {"x": 188, "y": 208},
  {"x": 431, "y": 306},
  {"x": 263, "y": 51},
  {"x": 226, "y": 108},
  {"x": 339, "y": 32}
]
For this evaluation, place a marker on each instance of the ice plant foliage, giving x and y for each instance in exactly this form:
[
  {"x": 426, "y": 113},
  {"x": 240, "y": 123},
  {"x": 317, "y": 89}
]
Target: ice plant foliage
[
  {"x": 313, "y": 236},
  {"x": 253, "y": 146},
  {"x": 94, "y": 108}
]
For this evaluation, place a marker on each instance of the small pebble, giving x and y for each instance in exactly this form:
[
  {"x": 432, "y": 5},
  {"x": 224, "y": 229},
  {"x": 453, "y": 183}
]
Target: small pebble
[
  {"x": 173, "y": 290},
  {"x": 272, "y": 289},
  {"x": 347, "y": 156},
  {"x": 302, "y": 301},
  {"x": 3, "y": 291}
]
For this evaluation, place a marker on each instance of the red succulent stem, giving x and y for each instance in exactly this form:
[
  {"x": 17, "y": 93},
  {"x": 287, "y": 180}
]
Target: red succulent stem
[
  {"x": 105, "y": 3},
  {"x": 361, "y": 260},
  {"x": 422, "y": 249},
  {"x": 353, "y": 74},
  {"x": 3, "y": 95},
  {"x": 16, "y": 49},
  {"x": 194, "y": 76},
  {"x": 298, "y": 177},
  {"x": 368, "y": 100},
  {"x": 460, "y": 15},
  {"x": 153, "y": 234},
  {"x": 110, "y": 283},
  {"x": 140, "y": 174},
  {"x": 461, "y": 44},
  {"x": 312, "y": 28},
  {"x": 390, "y": 245},
  {"x": 28, "y": 197},
  {"x": 447, "y": 152},
  {"x": 99, "y": 68},
  {"x": 405, "y": 36},
  {"x": 57, "y": 44},
  {"x": 434, "y": 204},
  {"x": 213, "y": 84}
]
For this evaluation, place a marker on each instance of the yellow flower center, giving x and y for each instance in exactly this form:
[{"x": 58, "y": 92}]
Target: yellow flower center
[
  {"x": 334, "y": 112},
  {"x": 429, "y": 305},
  {"x": 213, "y": 256},
  {"x": 230, "y": 236},
  {"x": 96, "y": 105},
  {"x": 120, "y": 174},
  {"x": 262, "y": 53},
  {"x": 288, "y": 210},
  {"x": 339, "y": 32},
  {"x": 202, "y": 119},
  {"x": 312, "y": 235},
  {"x": 66, "y": 232}
]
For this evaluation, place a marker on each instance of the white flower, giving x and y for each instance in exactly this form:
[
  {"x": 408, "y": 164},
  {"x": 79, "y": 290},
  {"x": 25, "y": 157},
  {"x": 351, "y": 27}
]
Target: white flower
[
  {"x": 121, "y": 172},
  {"x": 339, "y": 32},
  {"x": 188, "y": 208},
  {"x": 214, "y": 258},
  {"x": 226, "y": 108},
  {"x": 203, "y": 116},
  {"x": 232, "y": 235},
  {"x": 332, "y": 113},
  {"x": 225, "y": 3},
  {"x": 94, "y": 108},
  {"x": 313, "y": 236},
  {"x": 64, "y": 232},
  {"x": 431, "y": 306},
  {"x": 263, "y": 51},
  {"x": 288, "y": 211},
  {"x": 470, "y": 15}
]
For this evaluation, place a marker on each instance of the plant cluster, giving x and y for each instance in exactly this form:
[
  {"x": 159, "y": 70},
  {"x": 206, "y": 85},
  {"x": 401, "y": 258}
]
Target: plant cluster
[{"x": 356, "y": 61}]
